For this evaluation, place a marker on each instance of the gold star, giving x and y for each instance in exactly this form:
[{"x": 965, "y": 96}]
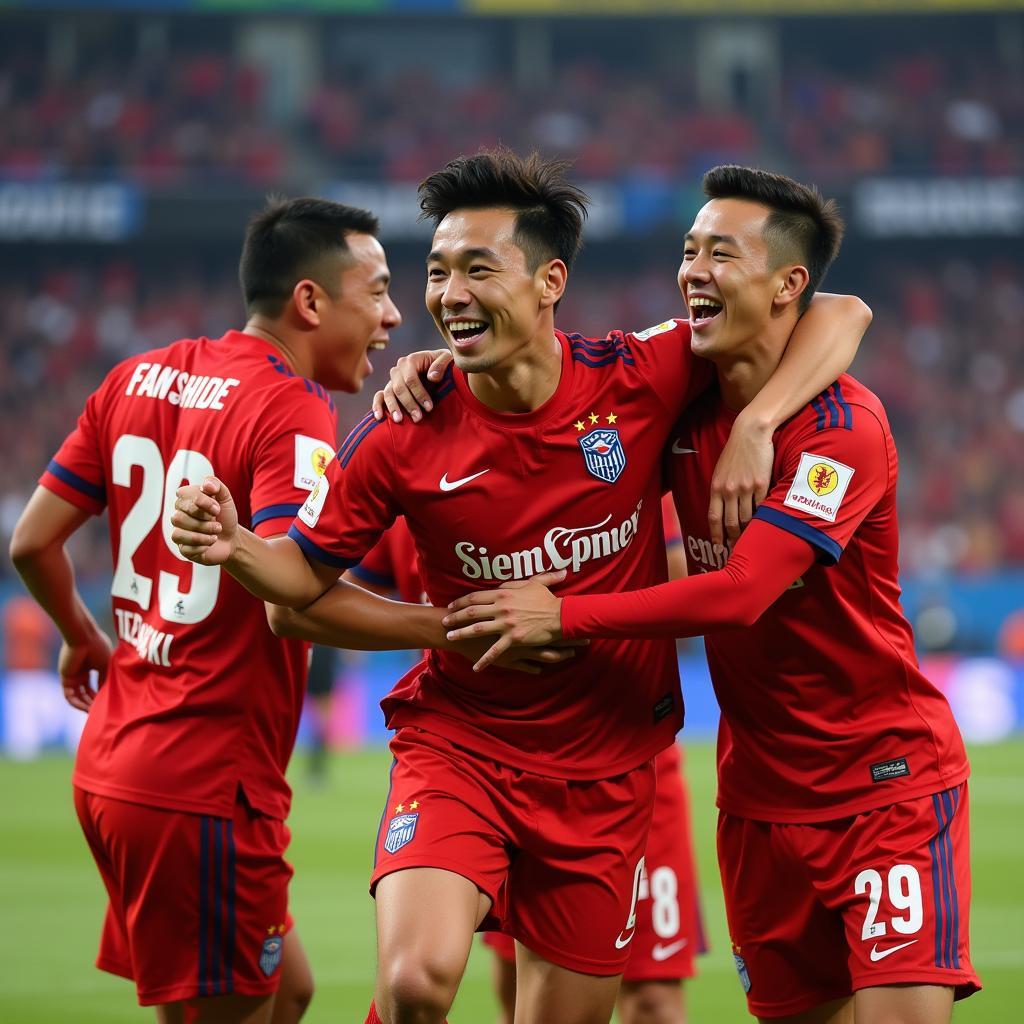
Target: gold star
[
  {"x": 399, "y": 808},
  {"x": 271, "y": 930},
  {"x": 281, "y": 929},
  {"x": 612, "y": 418},
  {"x": 414, "y": 805},
  {"x": 594, "y": 417},
  {"x": 580, "y": 425}
]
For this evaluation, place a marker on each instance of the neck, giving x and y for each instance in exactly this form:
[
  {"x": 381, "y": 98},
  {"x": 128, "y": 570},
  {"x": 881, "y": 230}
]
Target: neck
[
  {"x": 524, "y": 383},
  {"x": 744, "y": 370},
  {"x": 293, "y": 352}
]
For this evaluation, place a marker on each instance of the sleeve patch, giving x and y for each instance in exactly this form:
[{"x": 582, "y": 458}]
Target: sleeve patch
[
  {"x": 651, "y": 332},
  {"x": 819, "y": 486},
  {"x": 312, "y": 457},
  {"x": 314, "y": 503}
]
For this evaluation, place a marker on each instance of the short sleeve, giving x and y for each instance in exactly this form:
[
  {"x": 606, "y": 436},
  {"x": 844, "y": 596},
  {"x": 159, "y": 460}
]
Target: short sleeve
[
  {"x": 377, "y": 566},
  {"x": 353, "y": 503},
  {"x": 296, "y": 446},
  {"x": 76, "y": 472},
  {"x": 664, "y": 355},
  {"x": 829, "y": 481}
]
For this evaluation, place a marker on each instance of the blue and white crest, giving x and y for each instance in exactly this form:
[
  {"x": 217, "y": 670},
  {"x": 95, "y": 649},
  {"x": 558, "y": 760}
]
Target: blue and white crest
[
  {"x": 401, "y": 830},
  {"x": 603, "y": 454},
  {"x": 270, "y": 954},
  {"x": 741, "y": 970}
]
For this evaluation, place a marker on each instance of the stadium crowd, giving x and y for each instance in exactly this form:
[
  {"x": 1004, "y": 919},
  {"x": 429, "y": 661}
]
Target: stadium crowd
[
  {"x": 953, "y": 385},
  {"x": 191, "y": 116}
]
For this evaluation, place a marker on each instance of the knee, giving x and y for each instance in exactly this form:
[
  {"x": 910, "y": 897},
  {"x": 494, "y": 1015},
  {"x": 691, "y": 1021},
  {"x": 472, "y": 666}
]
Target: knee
[
  {"x": 299, "y": 997},
  {"x": 419, "y": 990},
  {"x": 651, "y": 1003}
]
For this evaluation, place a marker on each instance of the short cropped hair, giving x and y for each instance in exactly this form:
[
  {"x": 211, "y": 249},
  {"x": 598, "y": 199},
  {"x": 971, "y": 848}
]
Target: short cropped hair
[
  {"x": 549, "y": 209},
  {"x": 803, "y": 227},
  {"x": 293, "y": 239}
]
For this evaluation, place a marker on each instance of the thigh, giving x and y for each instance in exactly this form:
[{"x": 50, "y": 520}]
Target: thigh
[
  {"x": 441, "y": 813},
  {"x": 573, "y": 889},
  {"x": 668, "y": 928},
  {"x": 900, "y": 878},
  {"x": 549, "y": 994},
  {"x": 789, "y": 948},
  {"x": 201, "y": 900}
]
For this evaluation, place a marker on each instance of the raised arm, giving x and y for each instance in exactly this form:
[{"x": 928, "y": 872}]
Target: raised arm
[
  {"x": 821, "y": 348},
  {"x": 37, "y": 551}
]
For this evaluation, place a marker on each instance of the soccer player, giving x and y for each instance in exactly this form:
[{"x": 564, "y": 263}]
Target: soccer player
[
  {"x": 179, "y": 781},
  {"x": 513, "y": 803},
  {"x": 843, "y": 834}
]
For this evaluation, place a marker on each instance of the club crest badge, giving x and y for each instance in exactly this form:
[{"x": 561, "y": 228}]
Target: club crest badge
[
  {"x": 270, "y": 954},
  {"x": 604, "y": 455},
  {"x": 401, "y": 830}
]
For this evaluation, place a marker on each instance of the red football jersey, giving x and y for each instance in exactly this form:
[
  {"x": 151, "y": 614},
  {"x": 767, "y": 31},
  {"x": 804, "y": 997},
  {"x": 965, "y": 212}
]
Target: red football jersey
[
  {"x": 490, "y": 497},
  {"x": 393, "y": 563},
  {"x": 201, "y": 697},
  {"x": 825, "y": 712}
]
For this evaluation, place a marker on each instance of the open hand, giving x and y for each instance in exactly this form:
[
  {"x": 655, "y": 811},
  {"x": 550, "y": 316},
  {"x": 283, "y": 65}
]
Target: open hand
[
  {"x": 77, "y": 662},
  {"x": 740, "y": 481},
  {"x": 406, "y": 390}
]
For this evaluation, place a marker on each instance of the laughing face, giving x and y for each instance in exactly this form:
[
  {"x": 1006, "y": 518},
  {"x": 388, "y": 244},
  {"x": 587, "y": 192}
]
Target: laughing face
[
  {"x": 358, "y": 320},
  {"x": 727, "y": 279},
  {"x": 486, "y": 302}
]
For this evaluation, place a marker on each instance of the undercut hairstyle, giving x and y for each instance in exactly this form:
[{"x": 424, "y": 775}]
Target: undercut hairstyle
[
  {"x": 803, "y": 227},
  {"x": 290, "y": 240},
  {"x": 549, "y": 209}
]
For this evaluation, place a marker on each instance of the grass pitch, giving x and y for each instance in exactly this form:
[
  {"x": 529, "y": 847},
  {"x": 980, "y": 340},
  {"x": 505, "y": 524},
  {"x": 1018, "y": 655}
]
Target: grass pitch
[{"x": 51, "y": 898}]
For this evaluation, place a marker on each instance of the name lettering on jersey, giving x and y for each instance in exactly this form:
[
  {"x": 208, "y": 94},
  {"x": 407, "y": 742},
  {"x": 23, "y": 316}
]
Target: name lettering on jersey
[
  {"x": 563, "y": 547},
  {"x": 187, "y": 390},
  {"x": 312, "y": 457},
  {"x": 150, "y": 644},
  {"x": 819, "y": 486}
]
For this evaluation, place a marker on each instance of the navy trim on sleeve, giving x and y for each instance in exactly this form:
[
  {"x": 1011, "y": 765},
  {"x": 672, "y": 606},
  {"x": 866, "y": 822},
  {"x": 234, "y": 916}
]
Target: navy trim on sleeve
[
  {"x": 378, "y": 579},
  {"x": 317, "y": 553},
  {"x": 93, "y": 491},
  {"x": 274, "y": 512},
  {"x": 829, "y": 550}
]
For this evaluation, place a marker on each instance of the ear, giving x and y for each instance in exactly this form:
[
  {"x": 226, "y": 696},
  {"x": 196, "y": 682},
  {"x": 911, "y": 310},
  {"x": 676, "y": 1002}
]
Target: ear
[
  {"x": 792, "y": 283},
  {"x": 306, "y": 296},
  {"x": 553, "y": 277}
]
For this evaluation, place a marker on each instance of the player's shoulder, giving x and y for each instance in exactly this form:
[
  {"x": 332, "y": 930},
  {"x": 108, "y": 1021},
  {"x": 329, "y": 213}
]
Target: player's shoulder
[
  {"x": 846, "y": 404},
  {"x": 623, "y": 348}
]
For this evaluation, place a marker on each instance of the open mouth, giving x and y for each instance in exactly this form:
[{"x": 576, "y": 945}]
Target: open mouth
[
  {"x": 465, "y": 332},
  {"x": 703, "y": 309}
]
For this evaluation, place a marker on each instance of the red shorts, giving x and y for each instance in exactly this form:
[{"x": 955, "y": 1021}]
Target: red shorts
[
  {"x": 818, "y": 911},
  {"x": 198, "y": 905},
  {"x": 669, "y": 930},
  {"x": 560, "y": 860}
]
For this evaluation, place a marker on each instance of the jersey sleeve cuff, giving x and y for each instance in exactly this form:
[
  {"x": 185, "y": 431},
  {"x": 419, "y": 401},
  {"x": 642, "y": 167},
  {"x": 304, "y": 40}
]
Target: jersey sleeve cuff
[
  {"x": 71, "y": 487},
  {"x": 829, "y": 550},
  {"x": 378, "y": 579},
  {"x": 318, "y": 554}
]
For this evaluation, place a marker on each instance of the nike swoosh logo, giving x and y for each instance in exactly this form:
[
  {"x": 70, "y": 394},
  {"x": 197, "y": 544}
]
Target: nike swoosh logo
[
  {"x": 451, "y": 485},
  {"x": 620, "y": 942},
  {"x": 677, "y": 450},
  {"x": 661, "y": 952},
  {"x": 880, "y": 954}
]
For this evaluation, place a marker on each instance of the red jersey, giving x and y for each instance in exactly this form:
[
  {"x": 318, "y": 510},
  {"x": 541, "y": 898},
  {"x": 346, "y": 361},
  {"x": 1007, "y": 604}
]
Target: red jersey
[
  {"x": 394, "y": 564},
  {"x": 201, "y": 697},
  {"x": 490, "y": 497},
  {"x": 825, "y": 712}
]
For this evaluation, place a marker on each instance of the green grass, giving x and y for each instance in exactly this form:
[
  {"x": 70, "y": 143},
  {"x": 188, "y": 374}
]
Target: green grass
[{"x": 51, "y": 898}]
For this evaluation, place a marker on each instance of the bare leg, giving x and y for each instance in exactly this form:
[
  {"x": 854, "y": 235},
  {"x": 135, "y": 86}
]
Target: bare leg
[
  {"x": 652, "y": 1002},
  {"x": 904, "y": 1004},
  {"x": 295, "y": 992},
  {"x": 503, "y": 974},
  {"x": 547, "y": 994},
  {"x": 218, "y": 1010},
  {"x": 837, "y": 1011},
  {"x": 425, "y": 923}
]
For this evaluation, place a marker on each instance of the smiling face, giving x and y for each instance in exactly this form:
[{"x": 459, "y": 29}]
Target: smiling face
[
  {"x": 730, "y": 287},
  {"x": 357, "y": 320},
  {"x": 486, "y": 302}
]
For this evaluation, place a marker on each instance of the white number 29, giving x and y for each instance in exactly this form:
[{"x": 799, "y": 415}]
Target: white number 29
[
  {"x": 904, "y": 894},
  {"x": 155, "y": 504}
]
